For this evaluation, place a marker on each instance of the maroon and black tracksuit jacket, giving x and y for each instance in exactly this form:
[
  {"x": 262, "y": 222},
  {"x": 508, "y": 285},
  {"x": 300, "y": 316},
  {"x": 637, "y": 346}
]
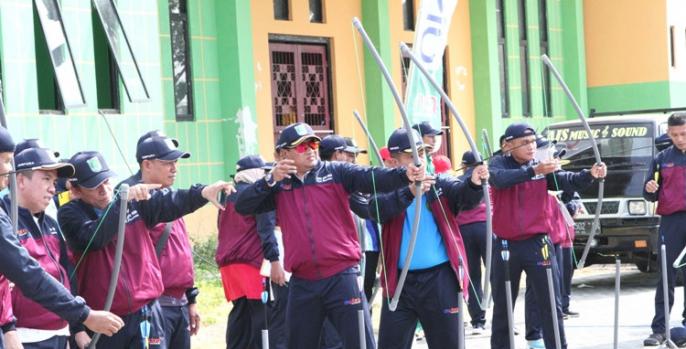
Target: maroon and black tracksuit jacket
[{"x": 319, "y": 234}]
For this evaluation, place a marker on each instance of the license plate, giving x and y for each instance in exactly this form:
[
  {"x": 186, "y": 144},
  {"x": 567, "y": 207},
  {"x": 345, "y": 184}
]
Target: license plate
[{"x": 583, "y": 227}]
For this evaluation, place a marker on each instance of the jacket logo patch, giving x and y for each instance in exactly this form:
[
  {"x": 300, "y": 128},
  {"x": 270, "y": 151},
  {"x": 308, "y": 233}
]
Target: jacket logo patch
[
  {"x": 669, "y": 164},
  {"x": 286, "y": 186},
  {"x": 453, "y": 310},
  {"x": 155, "y": 341},
  {"x": 353, "y": 301},
  {"x": 22, "y": 232},
  {"x": 326, "y": 178}
]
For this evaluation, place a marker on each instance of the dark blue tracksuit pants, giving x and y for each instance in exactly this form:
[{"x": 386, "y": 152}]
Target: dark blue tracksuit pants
[
  {"x": 474, "y": 237},
  {"x": 55, "y": 342},
  {"x": 532, "y": 313},
  {"x": 429, "y": 296},
  {"x": 177, "y": 326},
  {"x": 565, "y": 262},
  {"x": 130, "y": 335},
  {"x": 528, "y": 256},
  {"x": 674, "y": 234},
  {"x": 337, "y": 298},
  {"x": 247, "y": 320}
]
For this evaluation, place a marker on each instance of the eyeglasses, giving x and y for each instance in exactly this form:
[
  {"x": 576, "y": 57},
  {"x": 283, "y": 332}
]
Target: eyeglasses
[{"x": 302, "y": 147}]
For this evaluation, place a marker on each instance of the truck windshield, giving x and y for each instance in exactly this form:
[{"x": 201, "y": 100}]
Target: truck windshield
[{"x": 626, "y": 149}]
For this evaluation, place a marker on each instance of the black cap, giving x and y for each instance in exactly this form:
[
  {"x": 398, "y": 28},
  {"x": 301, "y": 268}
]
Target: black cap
[
  {"x": 399, "y": 142},
  {"x": 295, "y": 134},
  {"x": 250, "y": 162},
  {"x": 91, "y": 169},
  {"x": 35, "y": 159},
  {"x": 155, "y": 133},
  {"x": 161, "y": 148},
  {"x": 330, "y": 144},
  {"x": 542, "y": 142},
  {"x": 518, "y": 130},
  {"x": 468, "y": 158},
  {"x": 6, "y": 142},
  {"x": 425, "y": 129},
  {"x": 30, "y": 143},
  {"x": 351, "y": 146}
]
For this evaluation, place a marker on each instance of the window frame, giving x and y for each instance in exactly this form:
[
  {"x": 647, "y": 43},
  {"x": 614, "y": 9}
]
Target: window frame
[
  {"x": 190, "y": 116},
  {"x": 113, "y": 50}
]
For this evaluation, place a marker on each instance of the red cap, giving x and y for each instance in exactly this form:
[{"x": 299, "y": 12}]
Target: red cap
[
  {"x": 385, "y": 153},
  {"x": 441, "y": 163}
]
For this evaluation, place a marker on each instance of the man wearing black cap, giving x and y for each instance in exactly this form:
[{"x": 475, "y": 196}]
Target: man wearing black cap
[
  {"x": 17, "y": 265},
  {"x": 520, "y": 196},
  {"x": 244, "y": 243},
  {"x": 39, "y": 234},
  {"x": 473, "y": 228},
  {"x": 337, "y": 148},
  {"x": 430, "y": 135},
  {"x": 437, "y": 268},
  {"x": 321, "y": 244},
  {"x": 157, "y": 157},
  {"x": 90, "y": 226}
]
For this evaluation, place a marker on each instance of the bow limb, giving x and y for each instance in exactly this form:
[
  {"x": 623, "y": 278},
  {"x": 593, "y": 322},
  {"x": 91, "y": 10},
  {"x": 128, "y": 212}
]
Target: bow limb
[
  {"x": 372, "y": 143},
  {"x": 415, "y": 155},
  {"x": 118, "y": 254},
  {"x": 484, "y": 184},
  {"x": 601, "y": 184}
]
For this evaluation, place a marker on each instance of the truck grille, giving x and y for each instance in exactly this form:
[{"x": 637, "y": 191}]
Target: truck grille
[{"x": 609, "y": 207}]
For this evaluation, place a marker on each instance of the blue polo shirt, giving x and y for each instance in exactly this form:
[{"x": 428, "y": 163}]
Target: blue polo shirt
[{"x": 430, "y": 249}]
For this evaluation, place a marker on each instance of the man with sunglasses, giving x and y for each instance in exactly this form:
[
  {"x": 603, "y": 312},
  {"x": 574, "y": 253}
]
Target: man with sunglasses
[
  {"x": 521, "y": 219},
  {"x": 438, "y": 267},
  {"x": 321, "y": 243}
]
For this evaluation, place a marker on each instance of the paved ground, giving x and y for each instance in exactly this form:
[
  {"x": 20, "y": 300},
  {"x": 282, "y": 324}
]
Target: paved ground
[{"x": 593, "y": 297}]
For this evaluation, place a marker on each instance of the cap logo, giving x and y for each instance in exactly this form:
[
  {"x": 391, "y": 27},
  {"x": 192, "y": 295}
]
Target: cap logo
[
  {"x": 169, "y": 143},
  {"x": 301, "y": 130},
  {"x": 94, "y": 164}
]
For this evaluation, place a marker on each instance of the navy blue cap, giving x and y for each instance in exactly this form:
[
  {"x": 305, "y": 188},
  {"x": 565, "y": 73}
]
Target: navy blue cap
[
  {"x": 425, "y": 129},
  {"x": 91, "y": 169},
  {"x": 295, "y": 134},
  {"x": 250, "y": 162},
  {"x": 35, "y": 159},
  {"x": 6, "y": 142},
  {"x": 330, "y": 144},
  {"x": 542, "y": 142},
  {"x": 351, "y": 146},
  {"x": 161, "y": 148},
  {"x": 518, "y": 130},
  {"x": 468, "y": 158},
  {"x": 399, "y": 142},
  {"x": 31, "y": 143},
  {"x": 155, "y": 133}
]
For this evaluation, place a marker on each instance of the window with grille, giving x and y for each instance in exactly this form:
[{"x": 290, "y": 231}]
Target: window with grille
[{"x": 300, "y": 85}]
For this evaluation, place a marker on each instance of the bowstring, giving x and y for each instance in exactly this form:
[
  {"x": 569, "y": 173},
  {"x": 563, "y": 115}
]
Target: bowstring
[{"x": 95, "y": 233}]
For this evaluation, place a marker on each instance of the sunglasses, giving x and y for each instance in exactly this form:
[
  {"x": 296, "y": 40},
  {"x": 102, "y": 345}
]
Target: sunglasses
[{"x": 302, "y": 147}]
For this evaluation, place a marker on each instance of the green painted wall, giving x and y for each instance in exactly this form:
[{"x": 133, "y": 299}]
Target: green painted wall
[
  {"x": 223, "y": 90},
  {"x": 565, "y": 42},
  {"x": 380, "y": 105},
  {"x": 79, "y": 128}
]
